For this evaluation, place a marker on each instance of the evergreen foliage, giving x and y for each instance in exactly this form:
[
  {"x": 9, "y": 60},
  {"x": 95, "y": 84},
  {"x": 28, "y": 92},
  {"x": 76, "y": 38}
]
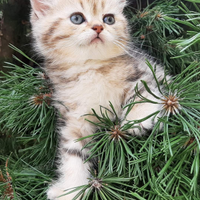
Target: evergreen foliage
[
  {"x": 163, "y": 165},
  {"x": 160, "y": 29}
]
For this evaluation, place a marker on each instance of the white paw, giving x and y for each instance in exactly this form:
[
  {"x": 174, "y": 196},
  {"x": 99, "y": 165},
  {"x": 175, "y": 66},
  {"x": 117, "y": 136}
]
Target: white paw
[
  {"x": 138, "y": 130},
  {"x": 141, "y": 128},
  {"x": 54, "y": 193}
]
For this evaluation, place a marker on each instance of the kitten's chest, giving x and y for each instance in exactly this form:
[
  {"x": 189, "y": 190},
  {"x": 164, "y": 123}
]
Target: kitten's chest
[{"x": 92, "y": 88}]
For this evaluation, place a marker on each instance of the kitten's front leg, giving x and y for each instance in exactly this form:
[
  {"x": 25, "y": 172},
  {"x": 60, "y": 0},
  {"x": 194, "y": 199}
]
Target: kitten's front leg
[
  {"x": 74, "y": 173},
  {"x": 72, "y": 169},
  {"x": 140, "y": 111}
]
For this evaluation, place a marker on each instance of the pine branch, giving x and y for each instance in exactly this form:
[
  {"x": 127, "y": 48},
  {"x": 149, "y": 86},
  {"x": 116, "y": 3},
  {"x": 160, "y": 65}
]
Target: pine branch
[
  {"x": 189, "y": 46},
  {"x": 19, "y": 180},
  {"x": 104, "y": 186},
  {"x": 25, "y": 98},
  {"x": 160, "y": 29},
  {"x": 164, "y": 164}
]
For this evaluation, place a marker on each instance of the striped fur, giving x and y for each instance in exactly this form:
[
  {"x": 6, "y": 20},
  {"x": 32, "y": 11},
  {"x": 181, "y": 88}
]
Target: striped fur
[{"x": 87, "y": 74}]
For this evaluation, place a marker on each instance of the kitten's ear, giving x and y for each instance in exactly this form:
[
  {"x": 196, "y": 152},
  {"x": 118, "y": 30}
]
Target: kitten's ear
[
  {"x": 123, "y": 4},
  {"x": 40, "y": 7}
]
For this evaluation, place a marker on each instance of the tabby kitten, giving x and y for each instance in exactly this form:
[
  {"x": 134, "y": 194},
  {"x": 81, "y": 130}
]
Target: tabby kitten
[{"x": 85, "y": 46}]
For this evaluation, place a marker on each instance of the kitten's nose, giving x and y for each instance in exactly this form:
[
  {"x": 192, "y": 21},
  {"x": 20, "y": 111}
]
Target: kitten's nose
[{"x": 97, "y": 28}]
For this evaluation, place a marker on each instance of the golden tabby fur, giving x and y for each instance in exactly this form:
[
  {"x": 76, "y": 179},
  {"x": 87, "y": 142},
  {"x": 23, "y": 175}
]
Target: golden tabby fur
[{"x": 88, "y": 67}]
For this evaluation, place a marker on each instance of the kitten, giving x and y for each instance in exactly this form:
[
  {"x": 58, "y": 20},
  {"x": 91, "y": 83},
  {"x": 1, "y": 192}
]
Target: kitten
[{"x": 85, "y": 46}]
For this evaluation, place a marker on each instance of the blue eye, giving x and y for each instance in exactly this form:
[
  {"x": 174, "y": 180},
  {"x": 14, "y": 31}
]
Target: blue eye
[
  {"x": 109, "y": 19},
  {"x": 77, "y": 18}
]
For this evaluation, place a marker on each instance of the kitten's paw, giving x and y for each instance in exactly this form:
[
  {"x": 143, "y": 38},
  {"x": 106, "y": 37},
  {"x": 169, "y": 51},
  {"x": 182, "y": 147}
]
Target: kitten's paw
[
  {"x": 141, "y": 128},
  {"x": 54, "y": 193}
]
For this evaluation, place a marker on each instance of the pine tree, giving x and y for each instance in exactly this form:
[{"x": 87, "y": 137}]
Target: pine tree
[{"x": 161, "y": 165}]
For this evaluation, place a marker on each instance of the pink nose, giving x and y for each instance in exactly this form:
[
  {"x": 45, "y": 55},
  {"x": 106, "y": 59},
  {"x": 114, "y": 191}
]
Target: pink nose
[{"x": 97, "y": 28}]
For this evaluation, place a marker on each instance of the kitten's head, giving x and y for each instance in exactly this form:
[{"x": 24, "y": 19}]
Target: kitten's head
[{"x": 72, "y": 30}]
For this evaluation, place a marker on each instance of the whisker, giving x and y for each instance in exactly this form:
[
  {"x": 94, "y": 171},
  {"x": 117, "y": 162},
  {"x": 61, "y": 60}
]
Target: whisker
[{"x": 128, "y": 49}]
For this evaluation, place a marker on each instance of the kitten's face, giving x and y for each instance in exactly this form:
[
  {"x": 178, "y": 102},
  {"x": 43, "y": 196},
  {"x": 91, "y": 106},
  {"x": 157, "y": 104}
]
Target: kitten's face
[{"x": 72, "y": 30}]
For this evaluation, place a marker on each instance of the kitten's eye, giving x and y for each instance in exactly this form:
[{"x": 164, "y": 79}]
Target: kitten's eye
[
  {"x": 109, "y": 19},
  {"x": 77, "y": 18}
]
